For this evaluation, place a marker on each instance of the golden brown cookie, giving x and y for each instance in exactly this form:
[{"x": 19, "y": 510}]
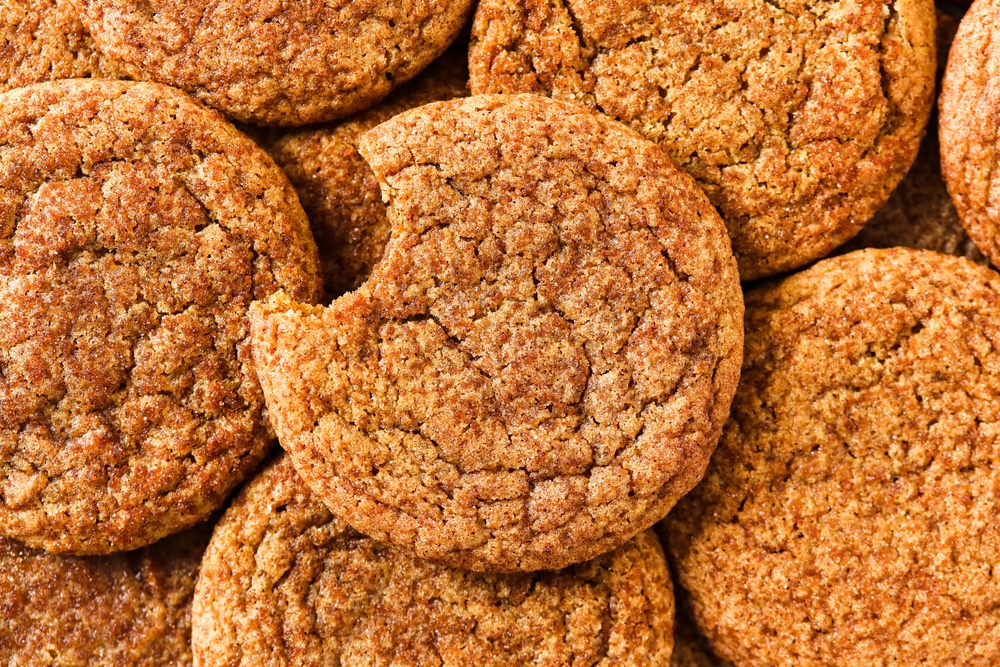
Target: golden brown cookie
[
  {"x": 338, "y": 189},
  {"x": 797, "y": 118},
  {"x": 123, "y": 609},
  {"x": 136, "y": 226},
  {"x": 285, "y": 583},
  {"x": 276, "y": 63},
  {"x": 969, "y": 104},
  {"x": 539, "y": 365},
  {"x": 42, "y": 40},
  {"x": 848, "y": 514}
]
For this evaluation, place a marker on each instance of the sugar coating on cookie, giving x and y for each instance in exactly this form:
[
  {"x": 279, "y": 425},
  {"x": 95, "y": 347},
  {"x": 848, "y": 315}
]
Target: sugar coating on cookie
[
  {"x": 848, "y": 514},
  {"x": 41, "y": 40},
  {"x": 276, "y": 63},
  {"x": 690, "y": 648},
  {"x": 136, "y": 226},
  {"x": 797, "y": 118},
  {"x": 286, "y": 583},
  {"x": 122, "y": 609},
  {"x": 969, "y": 103},
  {"x": 338, "y": 189},
  {"x": 540, "y": 364}
]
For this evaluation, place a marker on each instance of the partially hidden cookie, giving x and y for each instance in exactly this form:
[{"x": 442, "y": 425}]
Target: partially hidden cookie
[
  {"x": 797, "y": 118},
  {"x": 136, "y": 226},
  {"x": 286, "y": 583},
  {"x": 122, "y": 609},
  {"x": 338, "y": 189},
  {"x": 540, "y": 364},
  {"x": 278, "y": 63},
  {"x": 968, "y": 105},
  {"x": 846, "y": 517},
  {"x": 920, "y": 213},
  {"x": 41, "y": 40}
]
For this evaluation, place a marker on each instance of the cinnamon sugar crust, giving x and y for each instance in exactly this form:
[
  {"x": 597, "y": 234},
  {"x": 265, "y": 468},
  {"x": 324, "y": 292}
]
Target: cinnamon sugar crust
[
  {"x": 846, "y": 516},
  {"x": 286, "y": 583},
  {"x": 539, "y": 365},
  {"x": 136, "y": 227},
  {"x": 797, "y": 118}
]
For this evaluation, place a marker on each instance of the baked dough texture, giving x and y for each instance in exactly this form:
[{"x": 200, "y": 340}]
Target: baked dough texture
[
  {"x": 121, "y": 610},
  {"x": 136, "y": 226},
  {"x": 286, "y": 583},
  {"x": 797, "y": 118},
  {"x": 337, "y": 188},
  {"x": 969, "y": 104},
  {"x": 540, "y": 364},
  {"x": 42, "y": 40},
  {"x": 282, "y": 62},
  {"x": 847, "y": 516}
]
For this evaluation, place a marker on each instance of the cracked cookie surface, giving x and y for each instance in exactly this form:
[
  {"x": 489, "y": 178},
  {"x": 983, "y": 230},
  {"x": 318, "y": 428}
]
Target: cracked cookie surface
[
  {"x": 847, "y": 516},
  {"x": 970, "y": 144},
  {"x": 42, "y": 40},
  {"x": 338, "y": 189},
  {"x": 118, "y": 610},
  {"x": 284, "y": 582},
  {"x": 136, "y": 227},
  {"x": 797, "y": 118},
  {"x": 540, "y": 364},
  {"x": 284, "y": 62}
]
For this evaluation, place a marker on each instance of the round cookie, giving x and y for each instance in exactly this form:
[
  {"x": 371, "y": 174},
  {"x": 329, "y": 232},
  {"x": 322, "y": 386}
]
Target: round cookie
[
  {"x": 338, "y": 189},
  {"x": 968, "y": 105},
  {"x": 136, "y": 226},
  {"x": 796, "y": 118},
  {"x": 542, "y": 361},
  {"x": 278, "y": 63},
  {"x": 284, "y": 582},
  {"x": 122, "y": 609},
  {"x": 847, "y": 516},
  {"x": 43, "y": 40}
]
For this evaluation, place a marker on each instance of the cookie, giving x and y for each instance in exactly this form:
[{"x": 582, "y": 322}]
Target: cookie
[
  {"x": 338, "y": 189},
  {"x": 796, "y": 118},
  {"x": 286, "y": 63},
  {"x": 968, "y": 104},
  {"x": 284, "y": 582},
  {"x": 42, "y": 40},
  {"x": 540, "y": 364},
  {"x": 122, "y": 609},
  {"x": 846, "y": 517},
  {"x": 136, "y": 227}
]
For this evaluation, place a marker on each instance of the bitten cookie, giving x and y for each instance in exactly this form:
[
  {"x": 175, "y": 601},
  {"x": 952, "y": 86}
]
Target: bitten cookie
[
  {"x": 796, "y": 118},
  {"x": 123, "y": 609},
  {"x": 847, "y": 517},
  {"x": 136, "y": 227},
  {"x": 42, "y": 40},
  {"x": 540, "y": 364},
  {"x": 969, "y": 104},
  {"x": 285, "y": 583},
  {"x": 338, "y": 189},
  {"x": 276, "y": 63}
]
